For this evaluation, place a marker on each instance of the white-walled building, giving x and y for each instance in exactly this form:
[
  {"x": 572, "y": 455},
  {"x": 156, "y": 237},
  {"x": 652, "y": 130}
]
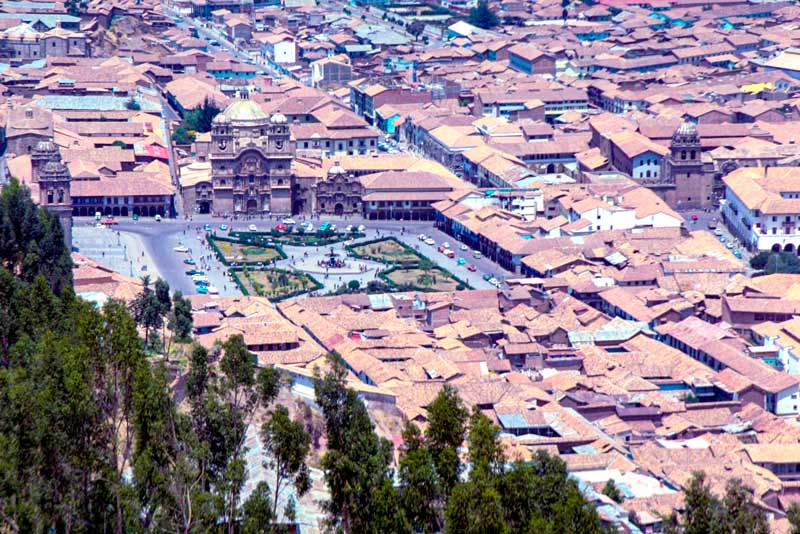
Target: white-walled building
[
  {"x": 279, "y": 48},
  {"x": 762, "y": 207}
]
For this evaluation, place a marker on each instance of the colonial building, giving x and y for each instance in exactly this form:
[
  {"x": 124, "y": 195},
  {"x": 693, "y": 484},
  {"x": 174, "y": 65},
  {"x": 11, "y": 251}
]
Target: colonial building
[
  {"x": 26, "y": 127},
  {"x": 53, "y": 180},
  {"x": 251, "y": 162},
  {"x": 688, "y": 174},
  {"x": 339, "y": 194}
]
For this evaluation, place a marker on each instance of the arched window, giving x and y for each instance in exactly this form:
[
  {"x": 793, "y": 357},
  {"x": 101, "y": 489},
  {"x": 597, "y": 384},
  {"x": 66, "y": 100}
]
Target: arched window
[
  {"x": 692, "y": 154},
  {"x": 683, "y": 154}
]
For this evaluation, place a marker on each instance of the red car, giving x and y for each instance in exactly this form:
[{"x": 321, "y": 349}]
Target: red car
[
  {"x": 694, "y": 216},
  {"x": 280, "y": 227},
  {"x": 472, "y": 268},
  {"x": 110, "y": 221}
]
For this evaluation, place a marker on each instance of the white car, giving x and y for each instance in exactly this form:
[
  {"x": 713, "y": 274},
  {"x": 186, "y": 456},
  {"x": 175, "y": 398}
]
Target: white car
[
  {"x": 446, "y": 244},
  {"x": 422, "y": 237},
  {"x": 288, "y": 220},
  {"x": 430, "y": 241},
  {"x": 181, "y": 248},
  {"x": 212, "y": 290},
  {"x": 252, "y": 228},
  {"x": 463, "y": 247},
  {"x": 307, "y": 227},
  {"x": 362, "y": 228},
  {"x": 349, "y": 229},
  {"x": 494, "y": 281}
]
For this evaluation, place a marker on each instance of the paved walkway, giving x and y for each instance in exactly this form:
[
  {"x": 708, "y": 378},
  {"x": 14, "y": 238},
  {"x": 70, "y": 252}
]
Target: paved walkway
[{"x": 123, "y": 252}]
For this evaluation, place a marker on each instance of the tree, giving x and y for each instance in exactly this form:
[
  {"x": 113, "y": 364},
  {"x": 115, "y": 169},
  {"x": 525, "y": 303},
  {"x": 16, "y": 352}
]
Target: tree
[
  {"x": 181, "y": 136},
  {"x": 419, "y": 483},
  {"x": 741, "y": 516},
  {"x": 793, "y": 515},
  {"x": 416, "y": 29},
  {"x": 702, "y": 508},
  {"x": 147, "y": 309},
  {"x": 132, "y": 104},
  {"x": 356, "y": 465},
  {"x": 447, "y": 420},
  {"x": 482, "y": 16},
  {"x": 353, "y": 285},
  {"x": 32, "y": 240},
  {"x": 776, "y": 262},
  {"x": 611, "y": 491},
  {"x": 200, "y": 118},
  {"x": 76, "y": 7},
  {"x": 286, "y": 444},
  {"x": 258, "y": 511},
  {"x": 180, "y": 320}
]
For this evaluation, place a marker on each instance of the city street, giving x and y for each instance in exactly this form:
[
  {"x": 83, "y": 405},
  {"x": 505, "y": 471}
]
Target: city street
[{"x": 158, "y": 240}]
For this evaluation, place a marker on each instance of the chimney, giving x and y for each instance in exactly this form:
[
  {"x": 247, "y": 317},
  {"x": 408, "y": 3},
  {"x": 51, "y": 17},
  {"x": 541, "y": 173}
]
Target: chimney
[{"x": 28, "y": 113}]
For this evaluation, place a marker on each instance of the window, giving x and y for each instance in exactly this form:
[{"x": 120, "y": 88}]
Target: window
[{"x": 683, "y": 154}]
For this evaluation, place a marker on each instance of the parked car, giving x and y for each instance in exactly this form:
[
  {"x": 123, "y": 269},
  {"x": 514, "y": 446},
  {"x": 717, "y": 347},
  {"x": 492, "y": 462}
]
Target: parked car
[
  {"x": 722, "y": 239},
  {"x": 288, "y": 221},
  {"x": 362, "y": 228},
  {"x": 472, "y": 268},
  {"x": 738, "y": 254},
  {"x": 189, "y": 261},
  {"x": 212, "y": 290},
  {"x": 461, "y": 261},
  {"x": 181, "y": 248},
  {"x": 203, "y": 290},
  {"x": 280, "y": 227},
  {"x": 207, "y": 227},
  {"x": 253, "y": 228},
  {"x": 158, "y": 218},
  {"x": 223, "y": 227},
  {"x": 349, "y": 229},
  {"x": 494, "y": 281},
  {"x": 446, "y": 244},
  {"x": 430, "y": 241},
  {"x": 441, "y": 249},
  {"x": 487, "y": 276},
  {"x": 717, "y": 232},
  {"x": 462, "y": 246},
  {"x": 449, "y": 253},
  {"x": 422, "y": 237},
  {"x": 476, "y": 254},
  {"x": 729, "y": 245}
]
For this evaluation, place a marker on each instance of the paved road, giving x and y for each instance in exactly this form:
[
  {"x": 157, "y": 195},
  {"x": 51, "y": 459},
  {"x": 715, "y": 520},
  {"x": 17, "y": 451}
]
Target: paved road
[{"x": 160, "y": 238}]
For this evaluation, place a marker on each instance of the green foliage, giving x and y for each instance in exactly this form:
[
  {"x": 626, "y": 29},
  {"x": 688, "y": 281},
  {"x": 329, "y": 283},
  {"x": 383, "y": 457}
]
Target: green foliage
[
  {"x": 447, "y": 426},
  {"x": 793, "y": 515},
  {"x": 132, "y": 104},
  {"x": 482, "y": 16},
  {"x": 287, "y": 445},
  {"x": 735, "y": 513},
  {"x": 76, "y": 7},
  {"x": 776, "y": 262},
  {"x": 258, "y": 511},
  {"x": 181, "y": 136},
  {"x": 200, "y": 118},
  {"x": 148, "y": 307},
  {"x": 353, "y": 285},
  {"x": 180, "y": 320},
  {"x": 32, "y": 240},
  {"x": 356, "y": 465},
  {"x": 611, "y": 491}
]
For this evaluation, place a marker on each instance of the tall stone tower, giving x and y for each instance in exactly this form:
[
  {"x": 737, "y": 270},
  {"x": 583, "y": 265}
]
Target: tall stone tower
[
  {"x": 53, "y": 179},
  {"x": 684, "y": 167}
]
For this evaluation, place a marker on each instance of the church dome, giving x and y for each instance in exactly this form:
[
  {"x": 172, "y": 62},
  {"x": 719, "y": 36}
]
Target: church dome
[
  {"x": 241, "y": 111},
  {"x": 278, "y": 118},
  {"x": 336, "y": 170},
  {"x": 53, "y": 168},
  {"x": 46, "y": 147},
  {"x": 686, "y": 129}
]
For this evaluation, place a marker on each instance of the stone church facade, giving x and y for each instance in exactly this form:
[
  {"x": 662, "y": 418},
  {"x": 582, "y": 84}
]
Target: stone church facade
[{"x": 251, "y": 157}]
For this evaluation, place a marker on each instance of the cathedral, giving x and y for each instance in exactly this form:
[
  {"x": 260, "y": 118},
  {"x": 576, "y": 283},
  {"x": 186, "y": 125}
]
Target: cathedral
[
  {"x": 251, "y": 157},
  {"x": 52, "y": 178}
]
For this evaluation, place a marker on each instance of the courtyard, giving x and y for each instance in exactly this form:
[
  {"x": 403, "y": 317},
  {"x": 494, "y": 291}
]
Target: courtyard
[
  {"x": 422, "y": 279},
  {"x": 387, "y": 250},
  {"x": 275, "y": 284},
  {"x": 235, "y": 252}
]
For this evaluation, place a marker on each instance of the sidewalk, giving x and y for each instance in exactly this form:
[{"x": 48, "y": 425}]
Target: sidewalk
[{"x": 119, "y": 251}]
